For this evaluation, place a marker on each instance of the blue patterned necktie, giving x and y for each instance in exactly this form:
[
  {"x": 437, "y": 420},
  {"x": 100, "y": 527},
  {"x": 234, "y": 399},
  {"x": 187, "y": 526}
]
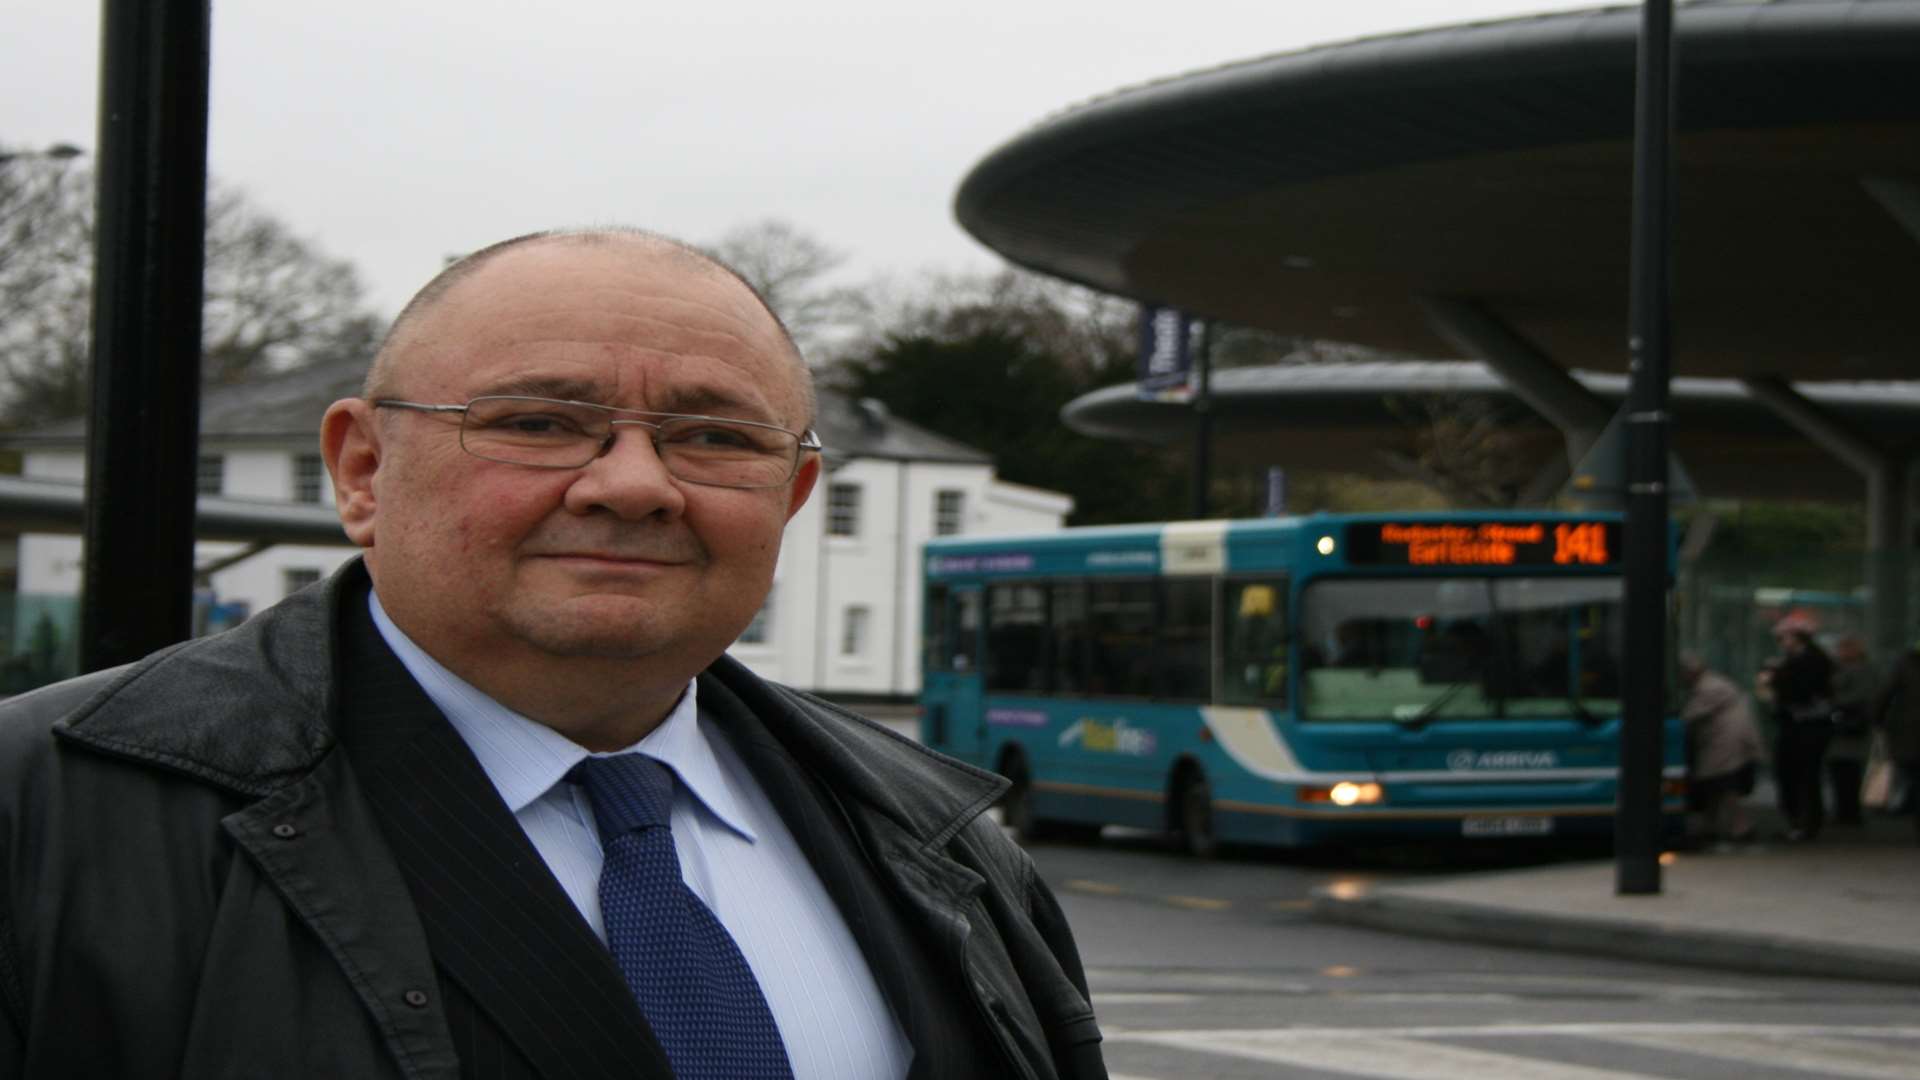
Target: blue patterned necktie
[{"x": 695, "y": 989}]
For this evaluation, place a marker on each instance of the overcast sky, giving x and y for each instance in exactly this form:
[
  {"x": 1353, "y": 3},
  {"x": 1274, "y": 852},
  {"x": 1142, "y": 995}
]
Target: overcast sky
[{"x": 398, "y": 132}]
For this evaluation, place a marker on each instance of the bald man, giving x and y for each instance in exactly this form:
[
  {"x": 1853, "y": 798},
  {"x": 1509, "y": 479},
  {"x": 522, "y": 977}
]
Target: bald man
[{"x": 492, "y": 801}]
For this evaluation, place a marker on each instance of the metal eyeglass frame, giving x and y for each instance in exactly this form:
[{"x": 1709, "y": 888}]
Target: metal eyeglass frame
[{"x": 804, "y": 440}]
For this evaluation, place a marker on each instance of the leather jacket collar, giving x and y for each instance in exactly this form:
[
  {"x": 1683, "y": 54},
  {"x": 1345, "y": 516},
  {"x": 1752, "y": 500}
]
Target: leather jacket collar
[{"x": 250, "y": 710}]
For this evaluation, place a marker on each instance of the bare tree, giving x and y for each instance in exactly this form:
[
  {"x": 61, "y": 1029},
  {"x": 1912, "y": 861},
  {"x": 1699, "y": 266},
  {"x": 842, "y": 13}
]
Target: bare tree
[
  {"x": 790, "y": 269},
  {"x": 273, "y": 300},
  {"x": 1085, "y": 329},
  {"x": 46, "y": 271},
  {"x": 1465, "y": 447}
]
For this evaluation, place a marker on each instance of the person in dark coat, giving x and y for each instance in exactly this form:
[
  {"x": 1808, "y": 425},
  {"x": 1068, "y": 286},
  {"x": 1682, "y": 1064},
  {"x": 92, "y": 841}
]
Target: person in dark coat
[
  {"x": 492, "y": 801},
  {"x": 1896, "y": 710},
  {"x": 1853, "y": 691},
  {"x": 1800, "y": 682}
]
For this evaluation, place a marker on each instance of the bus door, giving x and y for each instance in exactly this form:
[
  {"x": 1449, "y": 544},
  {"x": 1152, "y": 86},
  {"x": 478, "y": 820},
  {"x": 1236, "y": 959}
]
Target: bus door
[{"x": 953, "y": 720}]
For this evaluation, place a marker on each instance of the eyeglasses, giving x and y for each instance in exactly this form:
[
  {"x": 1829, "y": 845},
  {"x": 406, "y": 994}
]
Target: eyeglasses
[{"x": 546, "y": 433}]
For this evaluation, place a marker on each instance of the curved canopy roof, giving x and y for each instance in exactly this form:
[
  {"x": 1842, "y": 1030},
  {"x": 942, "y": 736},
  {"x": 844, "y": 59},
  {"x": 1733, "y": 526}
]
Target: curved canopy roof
[
  {"x": 1322, "y": 192},
  {"x": 1355, "y": 417}
]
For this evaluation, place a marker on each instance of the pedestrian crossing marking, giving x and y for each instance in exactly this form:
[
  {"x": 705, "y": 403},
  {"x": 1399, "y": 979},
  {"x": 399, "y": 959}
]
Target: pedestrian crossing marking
[
  {"x": 1827, "y": 1056},
  {"x": 1424, "y": 1052},
  {"x": 1387, "y": 1058},
  {"x": 1618, "y": 985},
  {"x": 1894, "y": 1032}
]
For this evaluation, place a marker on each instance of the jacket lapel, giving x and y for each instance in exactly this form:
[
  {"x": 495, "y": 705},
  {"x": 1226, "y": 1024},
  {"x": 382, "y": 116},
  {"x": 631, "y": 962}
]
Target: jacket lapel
[
  {"x": 923, "y": 990},
  {"x": 497, "y": 922}
]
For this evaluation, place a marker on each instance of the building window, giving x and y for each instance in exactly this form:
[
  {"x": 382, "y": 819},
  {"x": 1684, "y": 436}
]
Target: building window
[
  {"x": 853, "y": 635},
  {"x": 295, "y": 578},
  {"x": 757, "y": 630},
  {"x": 843, "y": 510},
  {"x": 949, "y": 512},
  {"x": 309, "y": 477},
  {"x": 211, "y": 477}
]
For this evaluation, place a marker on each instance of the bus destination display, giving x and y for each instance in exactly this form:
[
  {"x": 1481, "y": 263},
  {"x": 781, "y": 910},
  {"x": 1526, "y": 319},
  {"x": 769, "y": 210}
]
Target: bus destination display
[{"x": 1484, "y": 543}]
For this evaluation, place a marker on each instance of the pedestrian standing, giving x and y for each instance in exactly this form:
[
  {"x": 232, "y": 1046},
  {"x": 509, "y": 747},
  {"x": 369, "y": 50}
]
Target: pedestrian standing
[
  {"x": 1897, "y": 709},
  {"x": 1723, "y": 751},
  {"x": 1801, "y": 682},
  {"x": 1853, "y": 689}
]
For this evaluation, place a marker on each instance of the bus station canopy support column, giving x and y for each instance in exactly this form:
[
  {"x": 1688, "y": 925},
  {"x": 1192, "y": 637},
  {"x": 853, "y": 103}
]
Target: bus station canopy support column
[
  {"x": 1900, "y": 198},
  {"x": 1532, "y": 375},
  {"x": 1889, "y": 503}
]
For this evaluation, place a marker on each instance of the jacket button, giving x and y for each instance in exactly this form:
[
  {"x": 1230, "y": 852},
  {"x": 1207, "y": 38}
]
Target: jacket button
[
  {"x": 415, "y": 998},
  {"x": 285, "y": 831}
]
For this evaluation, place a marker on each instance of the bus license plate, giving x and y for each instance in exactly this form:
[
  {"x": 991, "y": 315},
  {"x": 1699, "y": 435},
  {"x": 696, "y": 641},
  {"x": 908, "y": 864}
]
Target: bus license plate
[{"x": 1495, "y": 826}]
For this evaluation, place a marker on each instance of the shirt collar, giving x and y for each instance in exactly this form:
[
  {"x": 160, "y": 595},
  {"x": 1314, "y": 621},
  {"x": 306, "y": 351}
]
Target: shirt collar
[{"x": 525, "y": 758}]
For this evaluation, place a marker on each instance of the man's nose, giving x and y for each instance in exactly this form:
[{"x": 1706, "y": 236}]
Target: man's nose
[{"x": 628, "y": 478}]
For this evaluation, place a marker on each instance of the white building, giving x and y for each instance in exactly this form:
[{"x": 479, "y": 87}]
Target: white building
[{"x": 844, "y": 614}]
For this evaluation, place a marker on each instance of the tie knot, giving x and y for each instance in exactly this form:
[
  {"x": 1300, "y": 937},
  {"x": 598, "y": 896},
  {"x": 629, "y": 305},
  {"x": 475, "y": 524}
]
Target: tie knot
[{"x": 631, "y": 791}]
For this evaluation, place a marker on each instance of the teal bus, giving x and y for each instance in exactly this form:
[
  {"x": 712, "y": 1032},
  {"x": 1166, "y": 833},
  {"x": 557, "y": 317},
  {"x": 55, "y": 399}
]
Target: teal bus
[{"x": 1327, "y": 679}]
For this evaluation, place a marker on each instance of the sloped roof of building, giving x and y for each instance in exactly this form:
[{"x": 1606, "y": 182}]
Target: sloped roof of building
[
  {"x": 865, "y": 429},
  {"x": 285, "y": 405},
  {"x": 288, "y": 406}
]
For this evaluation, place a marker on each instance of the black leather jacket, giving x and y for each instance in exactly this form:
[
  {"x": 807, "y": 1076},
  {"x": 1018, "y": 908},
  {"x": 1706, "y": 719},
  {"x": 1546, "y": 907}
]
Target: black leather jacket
[{"x": 157, "y": 919}]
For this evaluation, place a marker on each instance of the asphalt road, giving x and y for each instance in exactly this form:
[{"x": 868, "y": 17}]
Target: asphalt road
[{"x": 1212, "y": 969}]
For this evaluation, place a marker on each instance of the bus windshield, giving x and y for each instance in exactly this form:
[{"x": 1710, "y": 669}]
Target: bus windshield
[{"x": 1419, "y": 649}]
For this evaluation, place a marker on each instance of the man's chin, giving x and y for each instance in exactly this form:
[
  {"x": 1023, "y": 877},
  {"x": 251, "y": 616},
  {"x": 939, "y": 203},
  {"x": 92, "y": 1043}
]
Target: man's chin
[{"x": 611, "y": 628}]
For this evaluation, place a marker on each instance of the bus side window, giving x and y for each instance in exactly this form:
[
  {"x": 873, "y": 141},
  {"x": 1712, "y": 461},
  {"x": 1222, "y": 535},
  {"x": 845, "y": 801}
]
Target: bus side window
[
  {"x": 1254, "y": 644},
  {"x": 1121, "y": 617},
  {"x": 964, "y": 631},
  {"x": 1185, "y": 649},
  {"x": 1068, "y": 650},
  {"x": 1016, "y": 637}
]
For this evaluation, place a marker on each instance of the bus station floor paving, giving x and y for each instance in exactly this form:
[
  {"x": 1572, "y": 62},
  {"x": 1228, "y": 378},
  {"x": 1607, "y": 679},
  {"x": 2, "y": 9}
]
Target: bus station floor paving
[{"x": 1844, "y": 905}]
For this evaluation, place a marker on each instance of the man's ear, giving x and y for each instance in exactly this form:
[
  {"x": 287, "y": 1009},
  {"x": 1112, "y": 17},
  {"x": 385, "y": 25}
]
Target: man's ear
[
  {"x": 803, "y": 482},
  {"x": 350, "y": 444}
]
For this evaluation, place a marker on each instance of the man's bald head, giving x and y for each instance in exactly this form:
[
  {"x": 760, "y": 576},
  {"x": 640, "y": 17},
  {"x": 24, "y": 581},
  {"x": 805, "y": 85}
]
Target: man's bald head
[{"x": 646, "y": 245}]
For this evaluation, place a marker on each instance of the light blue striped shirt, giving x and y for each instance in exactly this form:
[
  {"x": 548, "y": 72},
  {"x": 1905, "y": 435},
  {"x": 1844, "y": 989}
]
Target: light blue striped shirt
[{"x": 735, "y": 854}]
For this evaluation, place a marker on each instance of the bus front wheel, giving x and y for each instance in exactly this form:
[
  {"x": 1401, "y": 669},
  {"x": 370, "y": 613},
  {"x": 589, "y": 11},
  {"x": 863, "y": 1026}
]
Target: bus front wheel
[
  {"x": 1016, "y": 808},
  {"x": 1193, "y": 808}
]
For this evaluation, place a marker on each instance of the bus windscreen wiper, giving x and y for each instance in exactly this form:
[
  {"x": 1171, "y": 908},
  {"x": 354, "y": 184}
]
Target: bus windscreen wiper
[
  {"x": 1581, "y": 712},
  {"x": 1425, "y": 715}
]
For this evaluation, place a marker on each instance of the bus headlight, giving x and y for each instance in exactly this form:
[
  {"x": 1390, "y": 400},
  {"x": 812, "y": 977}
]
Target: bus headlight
[{"x": 1344, "y": 793}]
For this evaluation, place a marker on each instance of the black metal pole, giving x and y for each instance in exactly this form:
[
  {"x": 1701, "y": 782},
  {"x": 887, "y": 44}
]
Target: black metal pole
[
  {"x": 143, "y": 430},
  {"x": 1642, "y": 733},
  {"x": 1202, "y": 420}
]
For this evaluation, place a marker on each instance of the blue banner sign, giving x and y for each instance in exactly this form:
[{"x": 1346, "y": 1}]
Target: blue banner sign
[{"x": 1166, "y": 362}]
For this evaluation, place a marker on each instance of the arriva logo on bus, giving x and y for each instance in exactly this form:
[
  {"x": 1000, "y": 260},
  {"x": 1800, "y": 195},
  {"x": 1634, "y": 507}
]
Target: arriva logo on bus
[
  {"x": 1108, "y": 737},
  {"x": 1470, "y": 760}
]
